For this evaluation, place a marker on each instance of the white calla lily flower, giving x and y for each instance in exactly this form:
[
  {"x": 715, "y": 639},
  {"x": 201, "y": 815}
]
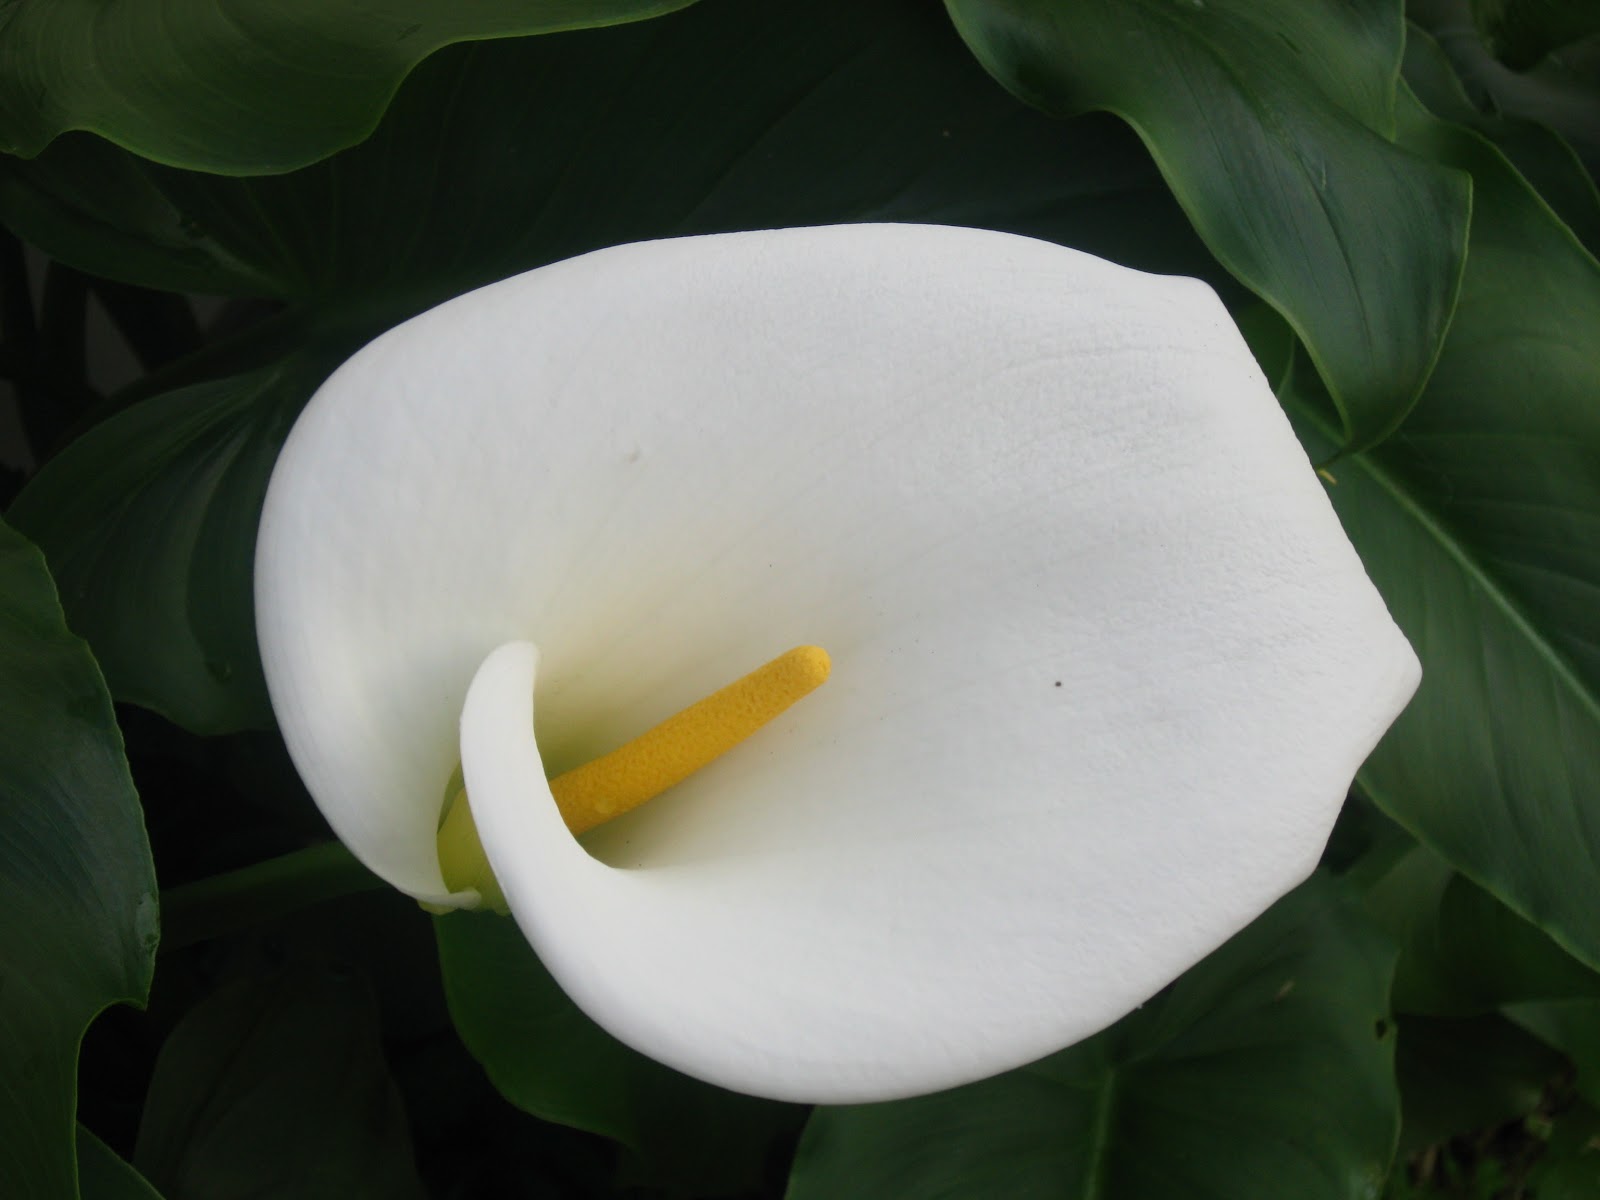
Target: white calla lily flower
[{"x": 1103, "y": 662}]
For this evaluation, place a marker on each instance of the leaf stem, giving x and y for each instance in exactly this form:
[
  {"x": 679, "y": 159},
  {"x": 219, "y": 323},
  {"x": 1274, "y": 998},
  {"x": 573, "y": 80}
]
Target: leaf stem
[{"x": 253, "y": 895}]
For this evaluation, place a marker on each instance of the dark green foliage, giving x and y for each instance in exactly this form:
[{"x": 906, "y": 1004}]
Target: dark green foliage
[
  {"x": 1532, "y": 60},
  {"x": 1476, "y": 523},
  {"x": 1281, "y": 1038},
  {"x": 76, "y": 884},
  {"x": 898, "y": 124},
  {"x": 546, "y": 1057},
  {"x": 251, "y": 87},
  {"x": 276, "y": 1085},
  {"x": 1403, "y": 219},
  {"x": 1273, "y": 124},
  {"x": 165, "y": 498},
  {"x": 104, "y": 1176}
]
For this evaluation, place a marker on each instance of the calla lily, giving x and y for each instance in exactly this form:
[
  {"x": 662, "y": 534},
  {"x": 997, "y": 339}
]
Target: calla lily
[{"x": 1103, "y": 663}]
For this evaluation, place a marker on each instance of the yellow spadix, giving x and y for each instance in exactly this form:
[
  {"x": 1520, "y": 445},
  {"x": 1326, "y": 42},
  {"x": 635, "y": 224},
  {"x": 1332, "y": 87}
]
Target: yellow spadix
[{"x": 642, "y": 769}]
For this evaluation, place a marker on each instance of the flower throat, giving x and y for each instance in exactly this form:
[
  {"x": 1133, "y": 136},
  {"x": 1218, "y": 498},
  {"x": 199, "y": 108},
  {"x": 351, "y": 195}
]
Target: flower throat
[{"x": 645, "y": 767}]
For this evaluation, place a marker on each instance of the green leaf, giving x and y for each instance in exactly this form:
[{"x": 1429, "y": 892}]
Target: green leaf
[
  {"x": 1264, "y": 1072},
  {"x": 1271, "y": 121},
  {"x": 538, "y": 1048},
  {"x": 148, "y": 522},
  {"x": 1561, "y": 90},
  {"x": 251, "y": 896},
  {"x": 242, "y": 88},
  {"x": 277, "y": 1086},
  {"x": 1570, "y": 1166},
  {"x": 1544, "y": 159},
  {"x": 76, "y": 883},
  {"x": 494, "y": 158},
  {"x": 104, "y": 1176},
  {"x": 1462, "y": 952},
  {"x": 1572, "y": 1027},
  {"x": 1521, "y": 32},
  {"x": 501, "y": 156},
  {"x": 549, "y": 1059},
  {"x": 1461, "y": 1076},
  {"x": 1480, "y": 523},
  {"x": 102, "y": 209}
]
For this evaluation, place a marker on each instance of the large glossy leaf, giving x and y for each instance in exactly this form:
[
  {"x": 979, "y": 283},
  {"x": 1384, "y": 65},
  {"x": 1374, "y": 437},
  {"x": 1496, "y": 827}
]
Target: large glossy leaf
[
  {"x": 148, "y": 522},
  {"x": 1480, "y": 523},
  {"x": 1572, "y": 1027},
  {"x": 95, "y": 206},
  {"x": 252, "y": 86},
  {"x": 1561, "y": 89},
  {"x": 535, "y": 1044},
  {"x": 495, "y": 158},
  {"x": 1545, "y": 160},
  {"x": 1569, "y": 1169},
  {"x": 1462, "y": 951},
  {"x": 1460, "y": 1076},
  {"x": 501, "y": 156},
  {"x": 1270, "y": 119},
  {"x": 1264, "y": 1072},
  {"x": 277, "y": 1086},
  {"x": 1521, "y": 32},
  {"x": 104, "y": 1176},
  {"x": 76, "y": 884},
  {"x": 549, "y": 1059}
]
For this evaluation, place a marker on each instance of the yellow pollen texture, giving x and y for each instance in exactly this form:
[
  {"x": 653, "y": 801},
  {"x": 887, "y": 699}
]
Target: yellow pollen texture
[
  {"x": 664, "y": 756},
  {"x": 642, "y": 769}
]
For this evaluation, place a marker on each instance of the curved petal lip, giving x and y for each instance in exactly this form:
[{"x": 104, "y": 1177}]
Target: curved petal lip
[{"x": 1105, "y": 663}]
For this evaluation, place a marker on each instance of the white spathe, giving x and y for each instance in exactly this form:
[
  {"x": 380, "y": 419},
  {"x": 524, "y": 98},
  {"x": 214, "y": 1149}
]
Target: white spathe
[{"x": 1104, "y": 662}]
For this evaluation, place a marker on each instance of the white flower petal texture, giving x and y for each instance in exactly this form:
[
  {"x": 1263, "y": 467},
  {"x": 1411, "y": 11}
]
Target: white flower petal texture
[{"x": 1104, "y": 663}]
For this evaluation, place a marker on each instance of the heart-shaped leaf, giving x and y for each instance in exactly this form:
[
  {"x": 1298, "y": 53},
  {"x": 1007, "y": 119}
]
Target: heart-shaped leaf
[
  {"x": 1569, "y": 1168},
  {"x": 1524, "y": 31},
  {"x": 1263, "y": 1072},
  {"x": 76, "y": 883},
  {"x": 1480, "y": 523},
  {"x": 1544, "y": 159},
  {"x": 1462, "y": 952},
  {"x": 1460, "y": 1076},
  {"x": 1572, "y": 1027},
  {"x": 1561, "y": 89},
  {"x": 104, "y": 1176},
  {"x": 502, "y": 156},
  {"x": 242, "y": 87},
  {"x": 277, "y": 1086},
  {"x": 1271, "y": 121},
  {"x": 549, "y": 1059},
  {"x": 163, "y": 499},
  {"x": 496, "y": 158}
]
